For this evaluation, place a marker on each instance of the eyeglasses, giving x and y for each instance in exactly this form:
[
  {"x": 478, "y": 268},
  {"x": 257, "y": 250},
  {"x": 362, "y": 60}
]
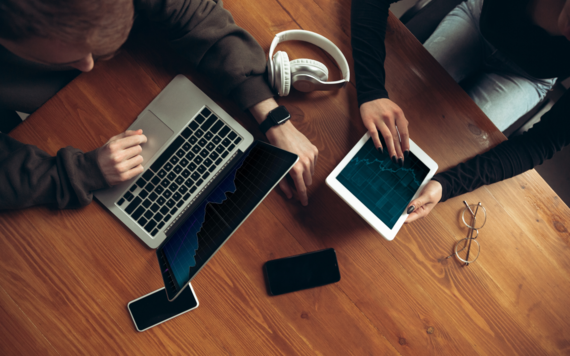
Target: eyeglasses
[{"x": 468, "y": 249}]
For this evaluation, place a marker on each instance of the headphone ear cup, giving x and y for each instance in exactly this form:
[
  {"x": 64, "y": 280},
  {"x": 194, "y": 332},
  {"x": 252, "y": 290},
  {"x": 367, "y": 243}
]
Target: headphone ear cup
[
  {"x": 282, "y": 73},
  {"x": 309, "y": 66}
]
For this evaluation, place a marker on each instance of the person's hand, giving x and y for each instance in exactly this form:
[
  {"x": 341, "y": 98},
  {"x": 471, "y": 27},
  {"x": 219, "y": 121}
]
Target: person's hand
[
  {"x": 120, "y": 158},
  {"x": 384, "y": 115},
  {"x": 428, "y": 199},
  {"x": 287, "y": 137}
]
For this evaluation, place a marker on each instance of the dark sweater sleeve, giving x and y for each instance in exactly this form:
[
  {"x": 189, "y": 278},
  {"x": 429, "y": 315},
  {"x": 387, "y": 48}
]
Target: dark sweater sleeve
[
  {"x": 207, "y": 36},
  {"x": 368, "y": 31},
  {"x": 29, "y": 176},
  {"x": 512, "y": 157}
]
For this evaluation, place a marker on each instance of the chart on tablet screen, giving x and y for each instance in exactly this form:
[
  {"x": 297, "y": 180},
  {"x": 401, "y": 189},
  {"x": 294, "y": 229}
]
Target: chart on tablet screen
[{"x": 383, "y": 187}]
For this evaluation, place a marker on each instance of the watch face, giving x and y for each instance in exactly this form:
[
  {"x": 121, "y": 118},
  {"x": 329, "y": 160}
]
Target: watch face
[{"x": 280, "y": 115}]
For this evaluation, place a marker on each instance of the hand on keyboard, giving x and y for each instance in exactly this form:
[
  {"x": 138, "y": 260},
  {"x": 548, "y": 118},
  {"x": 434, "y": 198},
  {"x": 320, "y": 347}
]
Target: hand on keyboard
[{"x": 120, "y": 158}]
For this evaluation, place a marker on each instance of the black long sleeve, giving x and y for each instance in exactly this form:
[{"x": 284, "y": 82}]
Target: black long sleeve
[
  {"x": 368, "y": 31},
  {"x": 512, "y": 157}
]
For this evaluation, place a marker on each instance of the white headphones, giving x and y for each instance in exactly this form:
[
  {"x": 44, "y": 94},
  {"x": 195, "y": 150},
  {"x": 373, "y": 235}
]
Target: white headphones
[{"x": 304, "y": 74}]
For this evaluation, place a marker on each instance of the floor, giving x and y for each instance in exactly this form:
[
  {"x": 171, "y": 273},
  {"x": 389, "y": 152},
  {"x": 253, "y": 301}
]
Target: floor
[{"x": 556, "y": 171}]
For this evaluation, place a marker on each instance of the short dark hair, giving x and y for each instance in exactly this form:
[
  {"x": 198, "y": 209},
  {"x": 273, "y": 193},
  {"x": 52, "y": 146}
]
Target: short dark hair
[{"x": 71, "y": 21}]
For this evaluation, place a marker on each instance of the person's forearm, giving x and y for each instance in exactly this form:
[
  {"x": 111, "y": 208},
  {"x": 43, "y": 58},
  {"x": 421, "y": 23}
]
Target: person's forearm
[
  {"x": 29, "y": 176},
  {"x": 368, "y": 31}
]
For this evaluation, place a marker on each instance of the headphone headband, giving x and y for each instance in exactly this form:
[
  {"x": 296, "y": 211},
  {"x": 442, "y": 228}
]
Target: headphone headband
[{"x": 320, "y": 41}]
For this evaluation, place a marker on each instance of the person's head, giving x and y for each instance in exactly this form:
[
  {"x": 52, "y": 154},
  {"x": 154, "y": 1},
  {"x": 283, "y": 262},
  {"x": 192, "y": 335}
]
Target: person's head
[
  {"x": 65, "y": 33},
  {"x": 564, "y": 20}
]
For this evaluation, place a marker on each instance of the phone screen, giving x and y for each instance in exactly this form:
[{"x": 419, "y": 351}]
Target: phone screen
[
  {"x": 304, "y": 271},
  {"x": 154, "y": 308}
]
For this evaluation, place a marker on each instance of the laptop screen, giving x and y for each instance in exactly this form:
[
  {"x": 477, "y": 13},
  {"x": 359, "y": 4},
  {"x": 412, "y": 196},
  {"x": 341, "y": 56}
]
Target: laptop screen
[{"x": 221, "y": 213}]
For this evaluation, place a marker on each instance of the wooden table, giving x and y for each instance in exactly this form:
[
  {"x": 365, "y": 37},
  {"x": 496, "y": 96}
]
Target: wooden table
[{"x": 66, "y": 276}]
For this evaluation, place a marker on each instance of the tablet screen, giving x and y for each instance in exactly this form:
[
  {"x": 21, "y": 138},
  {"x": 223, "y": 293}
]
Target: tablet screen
[{"x": 383, "y": 187}]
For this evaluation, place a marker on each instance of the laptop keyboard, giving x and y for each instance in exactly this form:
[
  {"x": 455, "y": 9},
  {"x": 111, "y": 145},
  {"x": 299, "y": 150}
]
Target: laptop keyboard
[{"x": 180, "y": 170}]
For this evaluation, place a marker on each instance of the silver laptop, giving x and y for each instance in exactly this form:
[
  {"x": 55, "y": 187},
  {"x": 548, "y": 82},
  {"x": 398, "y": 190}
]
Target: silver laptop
[{"x": 191, "y": 140}]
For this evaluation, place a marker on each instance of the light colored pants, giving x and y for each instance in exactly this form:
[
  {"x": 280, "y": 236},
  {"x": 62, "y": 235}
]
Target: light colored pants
[{"x": 499, "y": 87}]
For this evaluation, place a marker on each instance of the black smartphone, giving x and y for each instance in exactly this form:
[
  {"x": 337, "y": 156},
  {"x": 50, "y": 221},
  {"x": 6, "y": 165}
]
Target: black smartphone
[
  {"x": 300, "y": 272},
  {"x": 154, "y": 308}
]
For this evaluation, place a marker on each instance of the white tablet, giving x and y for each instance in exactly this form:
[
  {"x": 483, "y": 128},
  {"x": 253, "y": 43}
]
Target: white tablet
[{"x": 376, "y": 188}]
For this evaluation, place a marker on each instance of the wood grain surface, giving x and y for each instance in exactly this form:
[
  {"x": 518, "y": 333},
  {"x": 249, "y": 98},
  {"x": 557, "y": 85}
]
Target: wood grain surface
[{"x": 67, "y": 276}]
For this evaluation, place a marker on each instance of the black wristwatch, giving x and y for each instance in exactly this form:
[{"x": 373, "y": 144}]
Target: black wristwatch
[{"x": 277, "y": 116}]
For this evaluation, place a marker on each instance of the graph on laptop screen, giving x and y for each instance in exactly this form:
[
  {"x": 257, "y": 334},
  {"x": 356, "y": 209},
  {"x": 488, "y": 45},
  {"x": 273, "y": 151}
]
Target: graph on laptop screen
[
  {"x": 383, "y": 187},
  {"x": 223, "y": 210}
]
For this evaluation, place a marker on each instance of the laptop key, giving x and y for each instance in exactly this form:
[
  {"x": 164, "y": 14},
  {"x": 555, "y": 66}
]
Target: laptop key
[
  {"x": 206, "y": 112},
  {"x": 154, "y": 232},
  {"x": 220, "y": 149},
  {"x": 167, "y": 217},
  {"x": 190, "y": 155},
  {"x": 164, "y": 210},
  {"x": 216, "y": 140},
  {"x": 180, "y": 153},
  {"x": 180, "y": 203},
  {"x": 133, "y": 205},
  {"x": 201, "y": 170},
  {"x": 140, "y": 182},
  {"x": 202, "y": 142},
  {"x": 121, "y": 201},
  {"x": 179, "y": 180},
  {"x": 174, "y": 160},
  {"x": 171, "y": 176},
  {"x": 154, "y": 207},
  {"x": 198, "y": 160},
  {"x": 224, "y": 155},
  {"x": 194, "y": 176},
  {"x": 185, "y": 173},
  {"x": 211, "y": 120},
  {"x": 231, "y": 148},
  {"x": 143, "y": 194},
  {"x": 161, "y": 201},
  {"x": 207, "y": 162},
  {"x": 186, "y": 133},
  {"x": 148, "y": 214},
  {"x": 211, "y": 169},
  {"x": 217, "y": 126},
  {"x": 177, "y": 169},
  {"x": 204, "y": 153},
  {"x": 150, "y": 226},
  {"x": 159, "y": 190},
  {"x": 167, "y": 194},
  {"x": 193, "y": 139},
  {"x": 192, "y": 190},
  {"x": 168, "y": 167},
  {"x": 173, "y": 211},
  {"x": 160, "y": 225},
  {"x": 155, "y": 180},
  {"x": 184, "y": 162},
  {"x": 237, "y": 140},
  {"x": 165, "y": 183},
  {"x": 133, "y": 188},
  {"x": 224, "y": 131},
  {"x": 143, "y": 221},
  {"x": 199, "y": 183},
  {"x": 173, "y": 187},
  {"x": 153, "y": 196},
  {"x": 199, "y": 133},
  {"x": 170, "y": 203},
  {"x": 148, "y": 175},
  {"x": 162, "y": 173},
  {"x": 128, "y": 196},
  {"x": 186, "y": 197},
  {"x": 192, "y": 166},
  {"x": 189, "y": 182},
  {"x": 149, "y": 187},
  {"x": 147, "y": 203},
  {"x": 232, "y": 135},
  {"x": 214, "y": 155},
  {"x": 207, "y": 174},
  {"x": 194, "y": 125},
  {"x": 200, "y": 119},
  {"x": 158, "y": 216},
  {"x": 137, "y": 214},
  {"x": 208, "y": 136},
  {"x": 186, "y": 147},
  {"x": 226, "y": 142},
  {"x": 210, "y": 147},
  {"x": 196, "y": 149},
  {"x": 182, "y": 189},
  {"x": 176, "y": 196},
  {"x": 218, "y": 161}
]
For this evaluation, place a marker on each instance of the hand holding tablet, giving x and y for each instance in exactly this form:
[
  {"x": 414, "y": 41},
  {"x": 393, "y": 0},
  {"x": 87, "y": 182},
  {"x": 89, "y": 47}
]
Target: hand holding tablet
[{"x": 378, "y": 189}]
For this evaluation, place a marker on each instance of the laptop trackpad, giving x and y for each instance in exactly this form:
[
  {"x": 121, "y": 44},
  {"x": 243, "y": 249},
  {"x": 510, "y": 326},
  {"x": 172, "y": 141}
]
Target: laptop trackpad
[{"x": 156, "y": 131}]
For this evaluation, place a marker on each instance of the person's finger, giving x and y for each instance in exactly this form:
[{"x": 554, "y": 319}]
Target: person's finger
[
  {"x": 125, "y": 134},
  {"x": 422, "y": 213},
  {"x": 371, "y": 127},
  {"x": 126, "y": 154},
  {"x": 129, "y": 164},
  {"x": 307, "y": 175},
  {"x": 397, "y": 146},
  {"x": 131, "y": 173},
  {"x": 297, "y": 176},
  {"x": 389, "y": 141},
  {"x": 129, "y": 141},
  {"x": 402, "y": 125},
  {"x": 285, "y": 188}
]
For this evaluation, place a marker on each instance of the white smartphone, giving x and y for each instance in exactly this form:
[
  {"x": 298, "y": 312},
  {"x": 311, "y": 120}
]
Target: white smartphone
[{"x": 154, "y": 308}]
